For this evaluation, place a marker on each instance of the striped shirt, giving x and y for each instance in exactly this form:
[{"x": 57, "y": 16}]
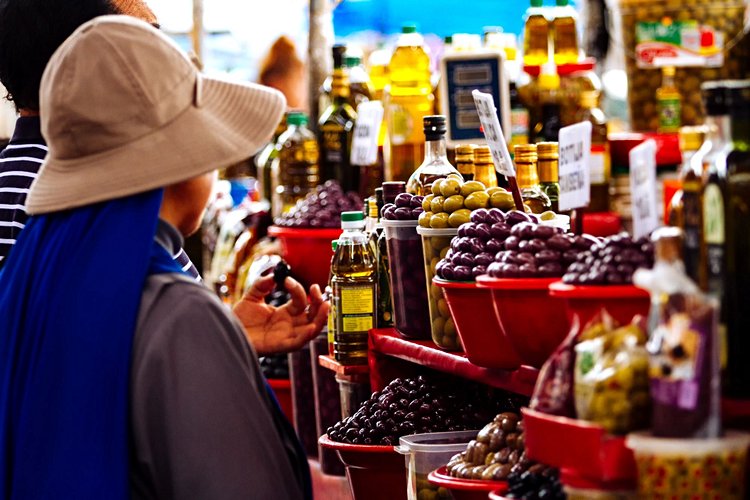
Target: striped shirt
[{"x": 19, "y": 165}]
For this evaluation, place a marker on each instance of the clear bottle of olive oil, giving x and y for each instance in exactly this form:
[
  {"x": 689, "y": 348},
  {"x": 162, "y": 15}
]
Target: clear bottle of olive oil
[
  {"x": 536, "y": 35},
  {"x": 565, "y": 34},
  {"x": 353, "y": 279}
]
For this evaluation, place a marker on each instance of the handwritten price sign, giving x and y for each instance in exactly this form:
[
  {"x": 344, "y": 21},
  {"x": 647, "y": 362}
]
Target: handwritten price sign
[
  {"x": 643, "y": 188},
  {"x": 493, "y": 132},
  {"x": 366, "y": 130}
]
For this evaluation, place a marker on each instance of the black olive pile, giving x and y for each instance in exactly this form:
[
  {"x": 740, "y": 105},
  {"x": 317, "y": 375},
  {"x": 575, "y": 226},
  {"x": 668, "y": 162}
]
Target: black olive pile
[
  {"x": 419, "y": 405},
  {"x": 538, "y": 483},
  {"x": 611, "y": 262},
  {"x": 276, "y": 366},
  {"x": 321, "y": 208},
  {"x": 406, "y": 207}
]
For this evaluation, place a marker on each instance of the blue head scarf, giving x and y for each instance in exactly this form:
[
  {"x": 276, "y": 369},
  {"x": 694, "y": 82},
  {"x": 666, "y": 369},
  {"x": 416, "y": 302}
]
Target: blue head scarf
[{"x": 69, "y": 298}]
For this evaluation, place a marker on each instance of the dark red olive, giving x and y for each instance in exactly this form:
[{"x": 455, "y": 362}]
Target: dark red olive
[
  {"x": 494, "y": 245},
  {"x": 546, "y": 255},
  {"x": 479, "y": 215},
  {"x": 500, "y": 230},
  {"x": 560, "y": 242},
  {"x": 404, "y": 200},
  {"x": 495, "y": 215},
  {"x": 511, "y": 242}
]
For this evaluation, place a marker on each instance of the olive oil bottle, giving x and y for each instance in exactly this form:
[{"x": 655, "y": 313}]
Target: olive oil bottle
[
  {"x": 332, "y": 311},
  {"x": 353, "y": 279},
  {"x": 691, "y": 177},
  {"x": 536, "y": 35},
  {"x": 465, "y": 161},
  {"x": 336, "y": 127},
  {"x": 565, "y": 34},
  {"x": 264, "y": 163},
  {"x": 409, "y": 99},
  {"x": 600, "y": 170},
  {"x": 669, "y": 102},
  {"x": 484, "y": 168},
  {"x": 298, "y": 163},
  {"x": 547, "y": 166},
  {"x": 528, "y": 179}
]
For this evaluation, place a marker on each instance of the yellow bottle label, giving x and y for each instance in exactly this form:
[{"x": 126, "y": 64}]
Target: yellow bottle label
[
  {"x": 354, "y": 324},
  {"x": 357, "y": 300}
]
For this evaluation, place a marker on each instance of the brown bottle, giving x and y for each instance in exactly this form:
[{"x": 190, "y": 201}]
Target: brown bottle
[
  {"x": 465, "y": 161},
  {"x": 484, "y": 168},
  {"x": 599, "y": 159},
  {"x": 528, "y": 179}
]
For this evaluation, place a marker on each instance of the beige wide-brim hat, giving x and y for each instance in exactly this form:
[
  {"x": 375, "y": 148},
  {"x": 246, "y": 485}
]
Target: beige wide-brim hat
[{"x": 124, "y": 111}]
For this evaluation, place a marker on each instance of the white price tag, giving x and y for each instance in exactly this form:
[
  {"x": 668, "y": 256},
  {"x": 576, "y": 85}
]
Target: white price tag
[
  {"x": 574, "y": 170},
  {"x": 643, "y": 188},
  {"x": 493, "y": 132},
  {"x": 366, "y": 131}
]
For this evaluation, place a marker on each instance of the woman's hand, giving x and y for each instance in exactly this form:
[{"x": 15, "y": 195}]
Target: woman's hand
[{"x": 287, "y": 328}]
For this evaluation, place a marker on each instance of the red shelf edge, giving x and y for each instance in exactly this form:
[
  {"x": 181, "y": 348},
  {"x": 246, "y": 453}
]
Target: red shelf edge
[{"x": 425, "y": 353}]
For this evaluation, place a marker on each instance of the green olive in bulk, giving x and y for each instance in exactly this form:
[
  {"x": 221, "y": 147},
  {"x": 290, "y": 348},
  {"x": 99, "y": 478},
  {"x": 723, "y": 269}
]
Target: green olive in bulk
[
  {"x": 471, "y": 187},
  {"x": 459, "y": 217},
  {"x": 436, "y": 205},
  {"x": 450, "y": 328},
  {"x": 443, "y": 308},
  {"x": 455, "y": 176},
  {"x": 424, "y": 219},
  {"x": 439, "y": 221},
  {"x": 478, "y": 199},
  {"x": 427, "y": 202},
  {"x": 453, "y": 203},
  {"x": 450, "y": 187},
  {"x": 548, "y": 215},
  {"x": 438, "y": 327},
  {"x": 444, "y": 252},
  {"x": 433, "y": 264},
  {"x": 436, "y": 187},
  {"x": 502, "y": 200}
]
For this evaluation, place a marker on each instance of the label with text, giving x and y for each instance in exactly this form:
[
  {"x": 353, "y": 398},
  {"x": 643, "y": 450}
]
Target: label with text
[
  {"x": 643, "y": 188},
  {"x": 574, "y": 170},
  {"x": 366, "y": 130},
  {"x": 493, "y": 133}
]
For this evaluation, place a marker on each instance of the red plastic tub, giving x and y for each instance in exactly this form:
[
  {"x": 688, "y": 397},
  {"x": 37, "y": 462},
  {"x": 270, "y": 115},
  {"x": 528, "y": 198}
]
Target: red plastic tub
[
  {"x": 482, "y": 336},
  {"x": 534, "y": 322},
  {"x": 580, "y": 449},
  {"x": 307, "y": 251},
  {"x": 465, "y": 489},
  {"x": 374, "y": 472},
  {"x": 601, "y": 223},
  {"x": 621, "y": 302},
  {"x": 282, "y": 389}
]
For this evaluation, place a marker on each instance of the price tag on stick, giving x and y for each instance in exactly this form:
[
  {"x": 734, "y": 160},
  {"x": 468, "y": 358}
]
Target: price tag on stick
[
  {"x": 574, "y": 169},
  {"x": 643, "y": 188},
  {"x": 366, "y": 131},
  {"x": 493, "y": 133}
]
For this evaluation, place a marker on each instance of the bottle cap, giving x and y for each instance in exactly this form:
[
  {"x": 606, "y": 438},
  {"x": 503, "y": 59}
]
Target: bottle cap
[
  {"x": 448, "y": 40},
  {"x": 465, "y": 152},
  {"x": 562, "y": 3},
  {"x": 296, "y": 118},
  {"x": 714, "y": 98},
  {"x": 338, "y": 55},
  {"x": 409, "y": 28},
  {"x": 536, "y": 3},
  {"x": 482, "y": 154},
  {"x": 334, "y": 245},
  {"x": 547, "y": 150},
  {"x": 668, "y": 71},
  {"x": 372, "y": 206},
  {"x": 691, "y": 138},
  {"x": 352, "y": 61},
  {"x": 667, "y": 243},
  {"x": 525, "y": 152},
  {"x": 434, "y": 127},
  {"x": 352, "y": 220}
]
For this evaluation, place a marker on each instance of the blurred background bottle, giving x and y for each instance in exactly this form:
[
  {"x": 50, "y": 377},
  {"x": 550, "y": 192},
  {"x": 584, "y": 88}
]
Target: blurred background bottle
[
  {"x": 669, "y": 102},
  {"x": 409, "y": 99},
  {"x": 536, "y": 35},
  {"x": 298, "y": 163},
  {"x": 599, "y": 160},
  {"x": 435, "y": 165},
  {"x": 525, "y": 158},
  {"x": 547, "y": 166},
  {"x": 565, "y": 33}
]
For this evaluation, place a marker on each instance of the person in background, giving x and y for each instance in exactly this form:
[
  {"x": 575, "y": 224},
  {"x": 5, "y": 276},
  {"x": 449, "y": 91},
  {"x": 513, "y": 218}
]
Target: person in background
[
  {"x": 282, "y": 69},
  {"x": 121, "y": 376}
]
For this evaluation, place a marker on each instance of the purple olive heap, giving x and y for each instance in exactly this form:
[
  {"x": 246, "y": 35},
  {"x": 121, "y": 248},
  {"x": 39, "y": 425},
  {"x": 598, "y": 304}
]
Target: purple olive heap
[
  {"x": 321, "y": 208},
  {"x": 406, "y": 207},
  {"x": 611, "y": 261},
  {"x": 419, "y": 405}
]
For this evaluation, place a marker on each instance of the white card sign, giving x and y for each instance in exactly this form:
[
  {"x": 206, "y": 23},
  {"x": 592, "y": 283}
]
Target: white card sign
[
  {"x": 366, "y": 131},
  {"x": 493, "y": 132},
  {"x": 574, "y": 170},
  {"x": 643, "y": 188}
]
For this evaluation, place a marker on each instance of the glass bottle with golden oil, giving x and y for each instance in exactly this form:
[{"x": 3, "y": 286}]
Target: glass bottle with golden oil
[
  {"x": 298, "y": 163},
  {"x": 691, "y": 199},
  {"x": 599, "y": 171},
  {"x": 409, "y": 99},
  {"x": 354, "y": 274},
  {"x": 669, "y": 102},
  {"x": 547, "y": 129},
  {"x": 336, "y": 127},
  {"x": 536, "y": 35},
  {"x": 332, "y": 311},
  {"x": 435, "y": 165},
  {"x": 484, "y": 168},
  {"x": 565, "y": 34},
  {"x": 264, "y": 163},
  {"x": 360, "y": 87},
  {"x": 547, "y": 165},
  {"x": 465, "y": 161},
  {"x": 378, "y": 245},
  {"x": 525, "y": 159}
]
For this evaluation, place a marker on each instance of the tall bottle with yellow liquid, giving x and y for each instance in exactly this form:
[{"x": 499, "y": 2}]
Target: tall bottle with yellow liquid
[
  {"x": 536, "y": 35},
  {"x": 409, "y": 99},
  {"x": 565, "y": 34},
  {"x": 297, "y": 163}
]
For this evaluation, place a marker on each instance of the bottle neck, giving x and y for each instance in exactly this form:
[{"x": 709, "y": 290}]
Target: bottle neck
[
  {"x": 435, "y": 150},
  {"x": 548, "y": 171},
  {"x": 667, "y": 81},
  {"x": 340, "y": 85},
  {"x": 526, "y": 174}
]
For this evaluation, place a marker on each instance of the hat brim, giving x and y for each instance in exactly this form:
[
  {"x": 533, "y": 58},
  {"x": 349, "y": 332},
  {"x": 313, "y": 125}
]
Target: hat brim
[{"x": 228, "y": 123}]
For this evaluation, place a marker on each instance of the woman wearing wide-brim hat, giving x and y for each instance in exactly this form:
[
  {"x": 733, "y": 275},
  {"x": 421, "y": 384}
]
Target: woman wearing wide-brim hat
[{"x": 120, "y": 377}]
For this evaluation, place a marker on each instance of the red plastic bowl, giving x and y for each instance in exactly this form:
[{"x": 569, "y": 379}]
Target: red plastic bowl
[
  {"x": 601, "y": 223},
  {"x": 582, "y": 449},
  {"x": 465, "y": 489},
  {"x": 621, "y": 302},
  {"x": 482, "y": 336},
  {"x": 282, "y": 389},
  {"x": 307, "y": 251},
  {"x": 374, "y": 472},
  {"x": 534, "y": 322}
]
